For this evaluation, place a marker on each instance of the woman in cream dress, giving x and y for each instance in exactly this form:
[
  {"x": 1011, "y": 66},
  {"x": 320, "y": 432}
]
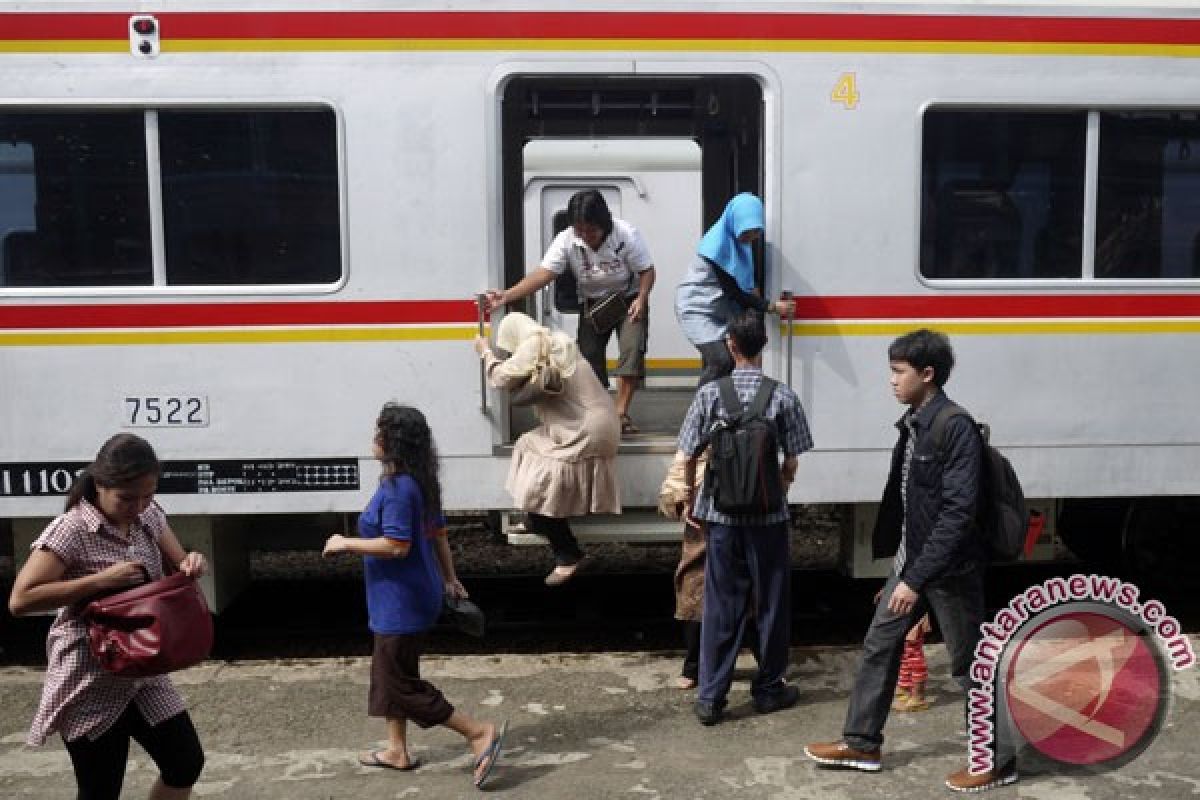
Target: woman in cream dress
[{"x": 565, "y": 467}]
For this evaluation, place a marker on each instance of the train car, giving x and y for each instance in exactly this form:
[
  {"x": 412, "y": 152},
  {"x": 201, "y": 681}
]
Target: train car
[{"x": 238, "y": 227}]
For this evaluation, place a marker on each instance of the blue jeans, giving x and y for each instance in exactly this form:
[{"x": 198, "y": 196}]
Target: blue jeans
[
  {"x": 956, "y": 600},
  {"x": 747, "y": 570}
]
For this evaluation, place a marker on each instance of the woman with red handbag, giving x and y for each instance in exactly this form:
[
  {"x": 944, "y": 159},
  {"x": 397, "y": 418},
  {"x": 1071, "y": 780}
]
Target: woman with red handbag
[
  {"x": 408, "y": 568},
  {"x": 111, "y": 536}
]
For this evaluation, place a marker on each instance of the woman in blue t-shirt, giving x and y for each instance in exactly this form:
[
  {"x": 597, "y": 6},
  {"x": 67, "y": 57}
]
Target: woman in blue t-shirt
[{"x": 408, "y": 566}]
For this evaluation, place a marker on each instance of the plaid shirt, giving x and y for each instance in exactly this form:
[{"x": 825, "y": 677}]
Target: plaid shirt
[
  {"x": 910, "y": 447},
  {"x": 790, "y": 424},
  {"x": 79, "y": 698}
]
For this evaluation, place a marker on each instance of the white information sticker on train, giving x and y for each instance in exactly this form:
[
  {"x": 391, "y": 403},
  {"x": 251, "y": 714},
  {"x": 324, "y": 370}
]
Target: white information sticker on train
[{"x": 164, "y": 411}]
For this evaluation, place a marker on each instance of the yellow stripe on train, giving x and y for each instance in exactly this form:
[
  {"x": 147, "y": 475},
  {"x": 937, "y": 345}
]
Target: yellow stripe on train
[
  {"x": 612, "y": 45},
  {"x": 466, "y": 332},
  {"x": 996, "y": 327},
  {"x": 688, "y": 45}
]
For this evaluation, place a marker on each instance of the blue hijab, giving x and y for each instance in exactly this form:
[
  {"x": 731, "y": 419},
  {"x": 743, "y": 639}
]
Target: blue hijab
[{"x": 720, "y": 244}]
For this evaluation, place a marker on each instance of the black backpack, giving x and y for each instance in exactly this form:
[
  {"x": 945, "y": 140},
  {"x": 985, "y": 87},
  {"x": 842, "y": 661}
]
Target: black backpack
[
  {"x": 1000, "y": 513},
  {"x": 743, "y": 475}
]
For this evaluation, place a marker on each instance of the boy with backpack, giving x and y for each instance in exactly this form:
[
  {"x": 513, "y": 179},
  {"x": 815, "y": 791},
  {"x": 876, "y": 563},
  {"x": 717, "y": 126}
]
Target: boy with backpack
[
  {"x": 927, "y": 518},
  {"x": 745, "y": 419}
]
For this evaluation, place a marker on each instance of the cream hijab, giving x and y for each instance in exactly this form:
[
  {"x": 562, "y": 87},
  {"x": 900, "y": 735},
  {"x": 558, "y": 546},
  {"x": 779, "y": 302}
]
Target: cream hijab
[{"x": 525, "y": 339}]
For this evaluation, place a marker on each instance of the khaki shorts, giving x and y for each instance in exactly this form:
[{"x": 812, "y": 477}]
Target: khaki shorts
[{"x": 631, "y": 346}]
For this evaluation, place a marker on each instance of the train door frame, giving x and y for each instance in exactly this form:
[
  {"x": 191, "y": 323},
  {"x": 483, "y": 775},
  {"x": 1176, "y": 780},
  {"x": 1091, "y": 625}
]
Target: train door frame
[{"x": 724, "y": 109}]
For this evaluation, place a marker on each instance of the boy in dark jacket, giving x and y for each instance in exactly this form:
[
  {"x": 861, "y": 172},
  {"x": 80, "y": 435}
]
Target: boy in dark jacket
[{"x": 926, "y": 519}]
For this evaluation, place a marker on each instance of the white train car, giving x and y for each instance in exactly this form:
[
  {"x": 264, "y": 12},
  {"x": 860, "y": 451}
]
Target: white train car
[{"x": 238, "y": 227}]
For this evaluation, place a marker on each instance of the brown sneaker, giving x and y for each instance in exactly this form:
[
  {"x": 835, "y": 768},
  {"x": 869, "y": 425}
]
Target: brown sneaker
[
  {"x": 964, "y": 781},
  {"x": 840, "y": 754}
]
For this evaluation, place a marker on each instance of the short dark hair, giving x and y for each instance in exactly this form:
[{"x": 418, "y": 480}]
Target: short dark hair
[
  {"x": 925, "y": 348},
  {"x": 560, "y": 221},
  {"x": 588, "y": 206},
  {"x": 748, "y": 331}
]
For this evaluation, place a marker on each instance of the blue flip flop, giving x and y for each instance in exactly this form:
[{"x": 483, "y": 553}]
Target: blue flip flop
[{"x": 491, "y": 755}]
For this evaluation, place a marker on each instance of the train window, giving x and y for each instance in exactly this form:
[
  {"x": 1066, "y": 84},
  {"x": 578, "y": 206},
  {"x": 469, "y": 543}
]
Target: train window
[
  {"x": 1002, "y": 194},
  {"x": 73, "y": 199},
  {"x": 250, "y": 197},
  {"x": 1148, "y": 200}
]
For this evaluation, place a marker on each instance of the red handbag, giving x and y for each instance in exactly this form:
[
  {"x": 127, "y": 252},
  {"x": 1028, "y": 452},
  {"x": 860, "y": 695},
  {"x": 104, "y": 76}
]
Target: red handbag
[{"x": 152, "y": 629}]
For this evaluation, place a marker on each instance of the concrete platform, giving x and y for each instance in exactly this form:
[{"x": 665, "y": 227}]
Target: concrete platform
[{"x": 581, "y": 727}]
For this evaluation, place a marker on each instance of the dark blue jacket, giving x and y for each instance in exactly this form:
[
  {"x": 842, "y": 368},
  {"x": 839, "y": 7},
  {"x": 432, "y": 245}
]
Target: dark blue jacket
[{"x": 942, "y": 492}]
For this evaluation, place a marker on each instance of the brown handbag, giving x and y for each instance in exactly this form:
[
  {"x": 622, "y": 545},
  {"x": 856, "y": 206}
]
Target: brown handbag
[{"x": 152, "y": 629}]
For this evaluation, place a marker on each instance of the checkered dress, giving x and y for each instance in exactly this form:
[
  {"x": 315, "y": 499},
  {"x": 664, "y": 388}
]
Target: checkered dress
[
  {"x": 790, "y": 424},
  {"x": 79, "y": 698}
]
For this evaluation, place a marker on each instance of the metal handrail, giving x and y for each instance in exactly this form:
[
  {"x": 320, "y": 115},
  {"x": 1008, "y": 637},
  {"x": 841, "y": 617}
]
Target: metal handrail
[
  {"x": 480, "y": 299},
  {"x": 786, "y": 295}
]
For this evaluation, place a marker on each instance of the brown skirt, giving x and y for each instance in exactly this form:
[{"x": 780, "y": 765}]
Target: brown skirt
[
  {"x": 689, "y": 576},
  {"x": 397, "y": 691}
]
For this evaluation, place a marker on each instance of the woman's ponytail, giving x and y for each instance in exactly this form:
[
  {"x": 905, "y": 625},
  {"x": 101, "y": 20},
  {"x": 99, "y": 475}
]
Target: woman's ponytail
[{"x": 83, "y": 487}]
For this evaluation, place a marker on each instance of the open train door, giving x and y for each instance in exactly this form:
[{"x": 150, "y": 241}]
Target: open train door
[{"x": 667, "y": 152}]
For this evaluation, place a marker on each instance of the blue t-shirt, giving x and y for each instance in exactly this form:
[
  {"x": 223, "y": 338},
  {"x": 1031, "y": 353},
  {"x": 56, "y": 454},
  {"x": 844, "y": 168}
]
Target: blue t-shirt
[{"x": 404, "y": 595}]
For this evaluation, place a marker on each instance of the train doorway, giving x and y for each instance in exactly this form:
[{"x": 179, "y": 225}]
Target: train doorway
[{"x": 667, "y": 152}]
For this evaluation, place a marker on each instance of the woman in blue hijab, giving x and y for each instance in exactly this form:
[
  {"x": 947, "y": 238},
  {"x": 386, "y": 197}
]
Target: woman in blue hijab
[{"x": 720, "y": 282}]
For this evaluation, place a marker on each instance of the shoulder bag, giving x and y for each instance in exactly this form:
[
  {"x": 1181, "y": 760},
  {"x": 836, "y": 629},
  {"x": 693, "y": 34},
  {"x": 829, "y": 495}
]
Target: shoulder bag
[
  {"x": 607, "y": 312},
  {"x": 152, "y": 629}
]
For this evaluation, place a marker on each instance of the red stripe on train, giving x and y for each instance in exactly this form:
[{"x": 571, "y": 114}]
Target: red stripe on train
[
  {"x": 1042, "y": 306},
  {"x": 409, "y": 312},
  {"x": 609, "y": 25},
  {"x": 220, "y": 315}
]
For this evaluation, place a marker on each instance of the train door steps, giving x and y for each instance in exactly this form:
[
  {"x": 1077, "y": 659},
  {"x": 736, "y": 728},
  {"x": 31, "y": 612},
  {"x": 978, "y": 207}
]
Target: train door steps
[{"x": 629, "y": 527}]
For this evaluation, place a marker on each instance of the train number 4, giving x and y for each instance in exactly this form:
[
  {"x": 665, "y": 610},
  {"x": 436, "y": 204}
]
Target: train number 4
[{"x": 845, "y": 91}]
